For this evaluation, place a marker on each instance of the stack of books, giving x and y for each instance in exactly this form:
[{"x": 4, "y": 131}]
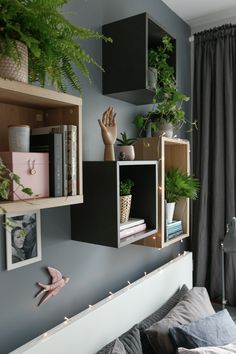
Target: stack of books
[
  {"x": 173, "y": 229},
  {"x": 60, "y": 141},
  {"x": 131, "y": 227}
]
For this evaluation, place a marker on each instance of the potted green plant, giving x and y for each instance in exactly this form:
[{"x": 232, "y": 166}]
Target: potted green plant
[
  {"x": 40, "y": 28},
  {"x": 167, "y": 113},
  {"x": 178, "y": 185},
  {"x": 126, "y": 186},
  {"x": 125, "y": 147},
  {"x": 7, "y": 177}
]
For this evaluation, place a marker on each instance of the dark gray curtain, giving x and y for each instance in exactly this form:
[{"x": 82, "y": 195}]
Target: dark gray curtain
[{"x": 214, "y": 156}]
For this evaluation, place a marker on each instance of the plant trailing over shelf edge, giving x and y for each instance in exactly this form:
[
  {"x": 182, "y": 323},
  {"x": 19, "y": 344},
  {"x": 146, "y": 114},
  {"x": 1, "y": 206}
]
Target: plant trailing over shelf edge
[
  {"x": 168, "y": 100},
  {"x": 124, "y": 141},
  {"x": 126, "y": 186},
  {"x": 180, "y": 185},
  {"x": 7, "y": 177},
  {"x": 50, "y": 38}
]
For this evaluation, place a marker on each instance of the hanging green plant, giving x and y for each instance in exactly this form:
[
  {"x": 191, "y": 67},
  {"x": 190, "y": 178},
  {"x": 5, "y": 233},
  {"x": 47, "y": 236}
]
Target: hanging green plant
[{"x": 51, "y": 39}]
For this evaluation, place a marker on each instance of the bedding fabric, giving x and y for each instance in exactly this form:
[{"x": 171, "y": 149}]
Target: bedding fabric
[
  {"x": 159, "y": 315},
  {"x": 215, "y": 330},
  {"x": 195, "y": 305},
  {"x": 130, "y": 340},
  {"x": 226, "y": 349},
  {"x": 118, "y": 348}
]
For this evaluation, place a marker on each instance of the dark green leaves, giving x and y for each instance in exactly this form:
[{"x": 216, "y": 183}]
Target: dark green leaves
[
  {"x": 125, "y": 140},
  {"x": 126, "y": 186}
]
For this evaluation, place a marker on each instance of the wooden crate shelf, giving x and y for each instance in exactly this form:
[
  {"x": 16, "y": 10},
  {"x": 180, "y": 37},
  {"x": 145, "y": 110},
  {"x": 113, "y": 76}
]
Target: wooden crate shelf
[
  {"x": 171, "y": 153},
  {"x": 21, "y": 103}
]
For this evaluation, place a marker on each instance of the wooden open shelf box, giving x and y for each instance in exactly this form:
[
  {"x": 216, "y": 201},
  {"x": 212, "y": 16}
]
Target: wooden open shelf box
[
  {"x": 35, "y": 106},
  {"x": 171, "y": 153}
]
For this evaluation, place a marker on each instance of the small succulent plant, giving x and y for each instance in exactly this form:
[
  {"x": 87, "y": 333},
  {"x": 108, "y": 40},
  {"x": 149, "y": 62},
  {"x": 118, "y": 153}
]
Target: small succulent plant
[{"x": 125, "y": 140}]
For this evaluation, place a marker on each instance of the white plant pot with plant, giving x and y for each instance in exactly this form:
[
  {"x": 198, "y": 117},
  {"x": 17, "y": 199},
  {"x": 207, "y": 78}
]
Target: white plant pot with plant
[
  {"x": 125, "y": 148},
  {"x": 125, "y": 199},
  {"x": 178, "y": 185}
]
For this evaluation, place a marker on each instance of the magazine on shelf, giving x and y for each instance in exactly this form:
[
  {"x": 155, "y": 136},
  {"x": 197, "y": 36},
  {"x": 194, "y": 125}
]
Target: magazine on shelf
[
  {"x": 133, "y": 230},
  {"x": 130, "y": 223}
]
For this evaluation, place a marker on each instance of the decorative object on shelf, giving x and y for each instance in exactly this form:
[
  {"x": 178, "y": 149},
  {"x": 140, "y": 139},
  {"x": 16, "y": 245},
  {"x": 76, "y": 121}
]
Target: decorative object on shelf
[
  {"x": 19, "y": 138},
  {"x": 109, "y": 133},
  {"x": 58, "y": 282},
  {"x": 51, "y": 39},
  {"x": 7, "y": 177},
  {"x": 178, "y": 185},
  {"x": 33, "y": 169},
  {"x": 125, "y": 199},
  {"x": 125, "y": 148},
  {"x": 228, "y": 245},
  {"x": 12, "y": 69},
  {"x": 23, "y": 239}
]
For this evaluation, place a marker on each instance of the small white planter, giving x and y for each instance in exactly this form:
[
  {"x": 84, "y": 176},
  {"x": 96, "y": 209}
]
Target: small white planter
[
  {"x": 170, "y": 208},
  {"x": 152, "y": 77},
  {"x": 126, "y": 152}
]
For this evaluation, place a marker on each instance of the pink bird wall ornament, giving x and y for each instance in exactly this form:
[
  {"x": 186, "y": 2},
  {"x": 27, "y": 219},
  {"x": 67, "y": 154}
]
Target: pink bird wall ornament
[{"x": 58, "y": 282}]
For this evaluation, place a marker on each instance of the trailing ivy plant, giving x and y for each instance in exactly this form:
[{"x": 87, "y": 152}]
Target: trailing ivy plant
[
  {"x": 7, "y": 177},
  {"x": 180, "y": 185},
  {"x": 126, "y": 186},
  {"x": 51, "y": 39}
]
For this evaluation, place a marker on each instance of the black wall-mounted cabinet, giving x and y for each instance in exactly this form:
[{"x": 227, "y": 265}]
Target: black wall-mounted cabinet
[
  {"x": 98, "y": 221},
  {"x": 125, "y": 61}
]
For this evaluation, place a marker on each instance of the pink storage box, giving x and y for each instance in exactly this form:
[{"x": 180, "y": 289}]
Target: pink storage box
[{"x": 33, "y": 170}]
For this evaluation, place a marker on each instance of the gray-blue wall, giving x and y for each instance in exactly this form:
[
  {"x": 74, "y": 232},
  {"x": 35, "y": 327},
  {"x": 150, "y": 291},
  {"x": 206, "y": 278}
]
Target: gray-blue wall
[{"x": 94, "y": 270}]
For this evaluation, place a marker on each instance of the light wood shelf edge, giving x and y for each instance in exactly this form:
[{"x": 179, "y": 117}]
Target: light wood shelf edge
[
  {"x": 26, "y": 93},
  {"x": 40, "y": 203}
]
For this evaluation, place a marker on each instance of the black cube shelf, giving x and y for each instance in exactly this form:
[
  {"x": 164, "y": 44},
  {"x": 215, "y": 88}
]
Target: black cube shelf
[
  {"x": 98, "y": 220},
  {"x": 125, "y": 61}
]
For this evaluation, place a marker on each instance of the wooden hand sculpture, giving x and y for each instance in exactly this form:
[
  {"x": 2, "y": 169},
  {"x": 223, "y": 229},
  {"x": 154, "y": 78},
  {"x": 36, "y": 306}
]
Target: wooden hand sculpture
[
  {"x": 58, "y": 281},
  {"x": 109, "y": 133}
]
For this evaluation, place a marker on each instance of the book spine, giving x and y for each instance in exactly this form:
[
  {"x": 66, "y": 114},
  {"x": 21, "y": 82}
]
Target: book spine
[
  {"x": 65, "y": 158},
  {"x": 175, "y": 234},
  {"x": 72, "y": 160},
  {"x": 132, "y": 230},
  {"x": 55, "y": 165}
]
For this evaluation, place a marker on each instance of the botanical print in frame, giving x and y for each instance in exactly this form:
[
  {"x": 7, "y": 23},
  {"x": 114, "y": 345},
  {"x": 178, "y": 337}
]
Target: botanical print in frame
[{"x": 23, "y": 239}]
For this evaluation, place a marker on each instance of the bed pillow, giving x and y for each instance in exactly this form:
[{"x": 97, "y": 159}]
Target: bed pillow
[
  {"x": 157, "y": 316},
  {"x": 195, "y": 305},
  {"x": 226, "y": 349},
  {"x": 118, "y": 348},
  {"x": 130, "y": 340},
  {"x": 215, "y": 330}
]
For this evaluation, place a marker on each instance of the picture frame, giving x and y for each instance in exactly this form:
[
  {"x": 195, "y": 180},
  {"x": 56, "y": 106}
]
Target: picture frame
[{"x": 23, "y": 239}]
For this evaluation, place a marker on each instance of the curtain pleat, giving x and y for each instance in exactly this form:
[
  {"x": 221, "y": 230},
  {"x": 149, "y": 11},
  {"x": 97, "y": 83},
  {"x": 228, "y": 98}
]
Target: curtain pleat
[{"x": 214, "y": 156}]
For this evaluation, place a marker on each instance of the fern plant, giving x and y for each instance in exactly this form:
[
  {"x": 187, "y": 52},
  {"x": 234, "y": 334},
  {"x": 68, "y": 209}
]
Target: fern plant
[
  {"x": 179, "y": 185},
  {"x": 51, "y": 39}
]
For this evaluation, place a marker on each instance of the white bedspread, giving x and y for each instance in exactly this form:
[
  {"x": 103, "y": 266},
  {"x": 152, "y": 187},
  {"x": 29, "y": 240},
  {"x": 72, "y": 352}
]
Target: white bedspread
[{"x": 226, "y": 349}]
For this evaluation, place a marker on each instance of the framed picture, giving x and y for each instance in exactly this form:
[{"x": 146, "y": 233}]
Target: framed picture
[{"x": 23, "y": 239}]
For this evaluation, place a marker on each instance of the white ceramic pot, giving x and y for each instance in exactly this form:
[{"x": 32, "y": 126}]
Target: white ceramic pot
[
  {"x": 152, "y": 77},
  {"x": 126, "y": 152},
  {"x": 166, "y": 129},
  {"x": 170, "y": 208},
  {"x": 11, "y": 70},
  {"x": 19, "y": 138}
]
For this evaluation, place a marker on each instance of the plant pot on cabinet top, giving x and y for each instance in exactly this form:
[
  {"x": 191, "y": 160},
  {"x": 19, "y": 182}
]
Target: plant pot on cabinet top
[{"x": 126, "y": 152}]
